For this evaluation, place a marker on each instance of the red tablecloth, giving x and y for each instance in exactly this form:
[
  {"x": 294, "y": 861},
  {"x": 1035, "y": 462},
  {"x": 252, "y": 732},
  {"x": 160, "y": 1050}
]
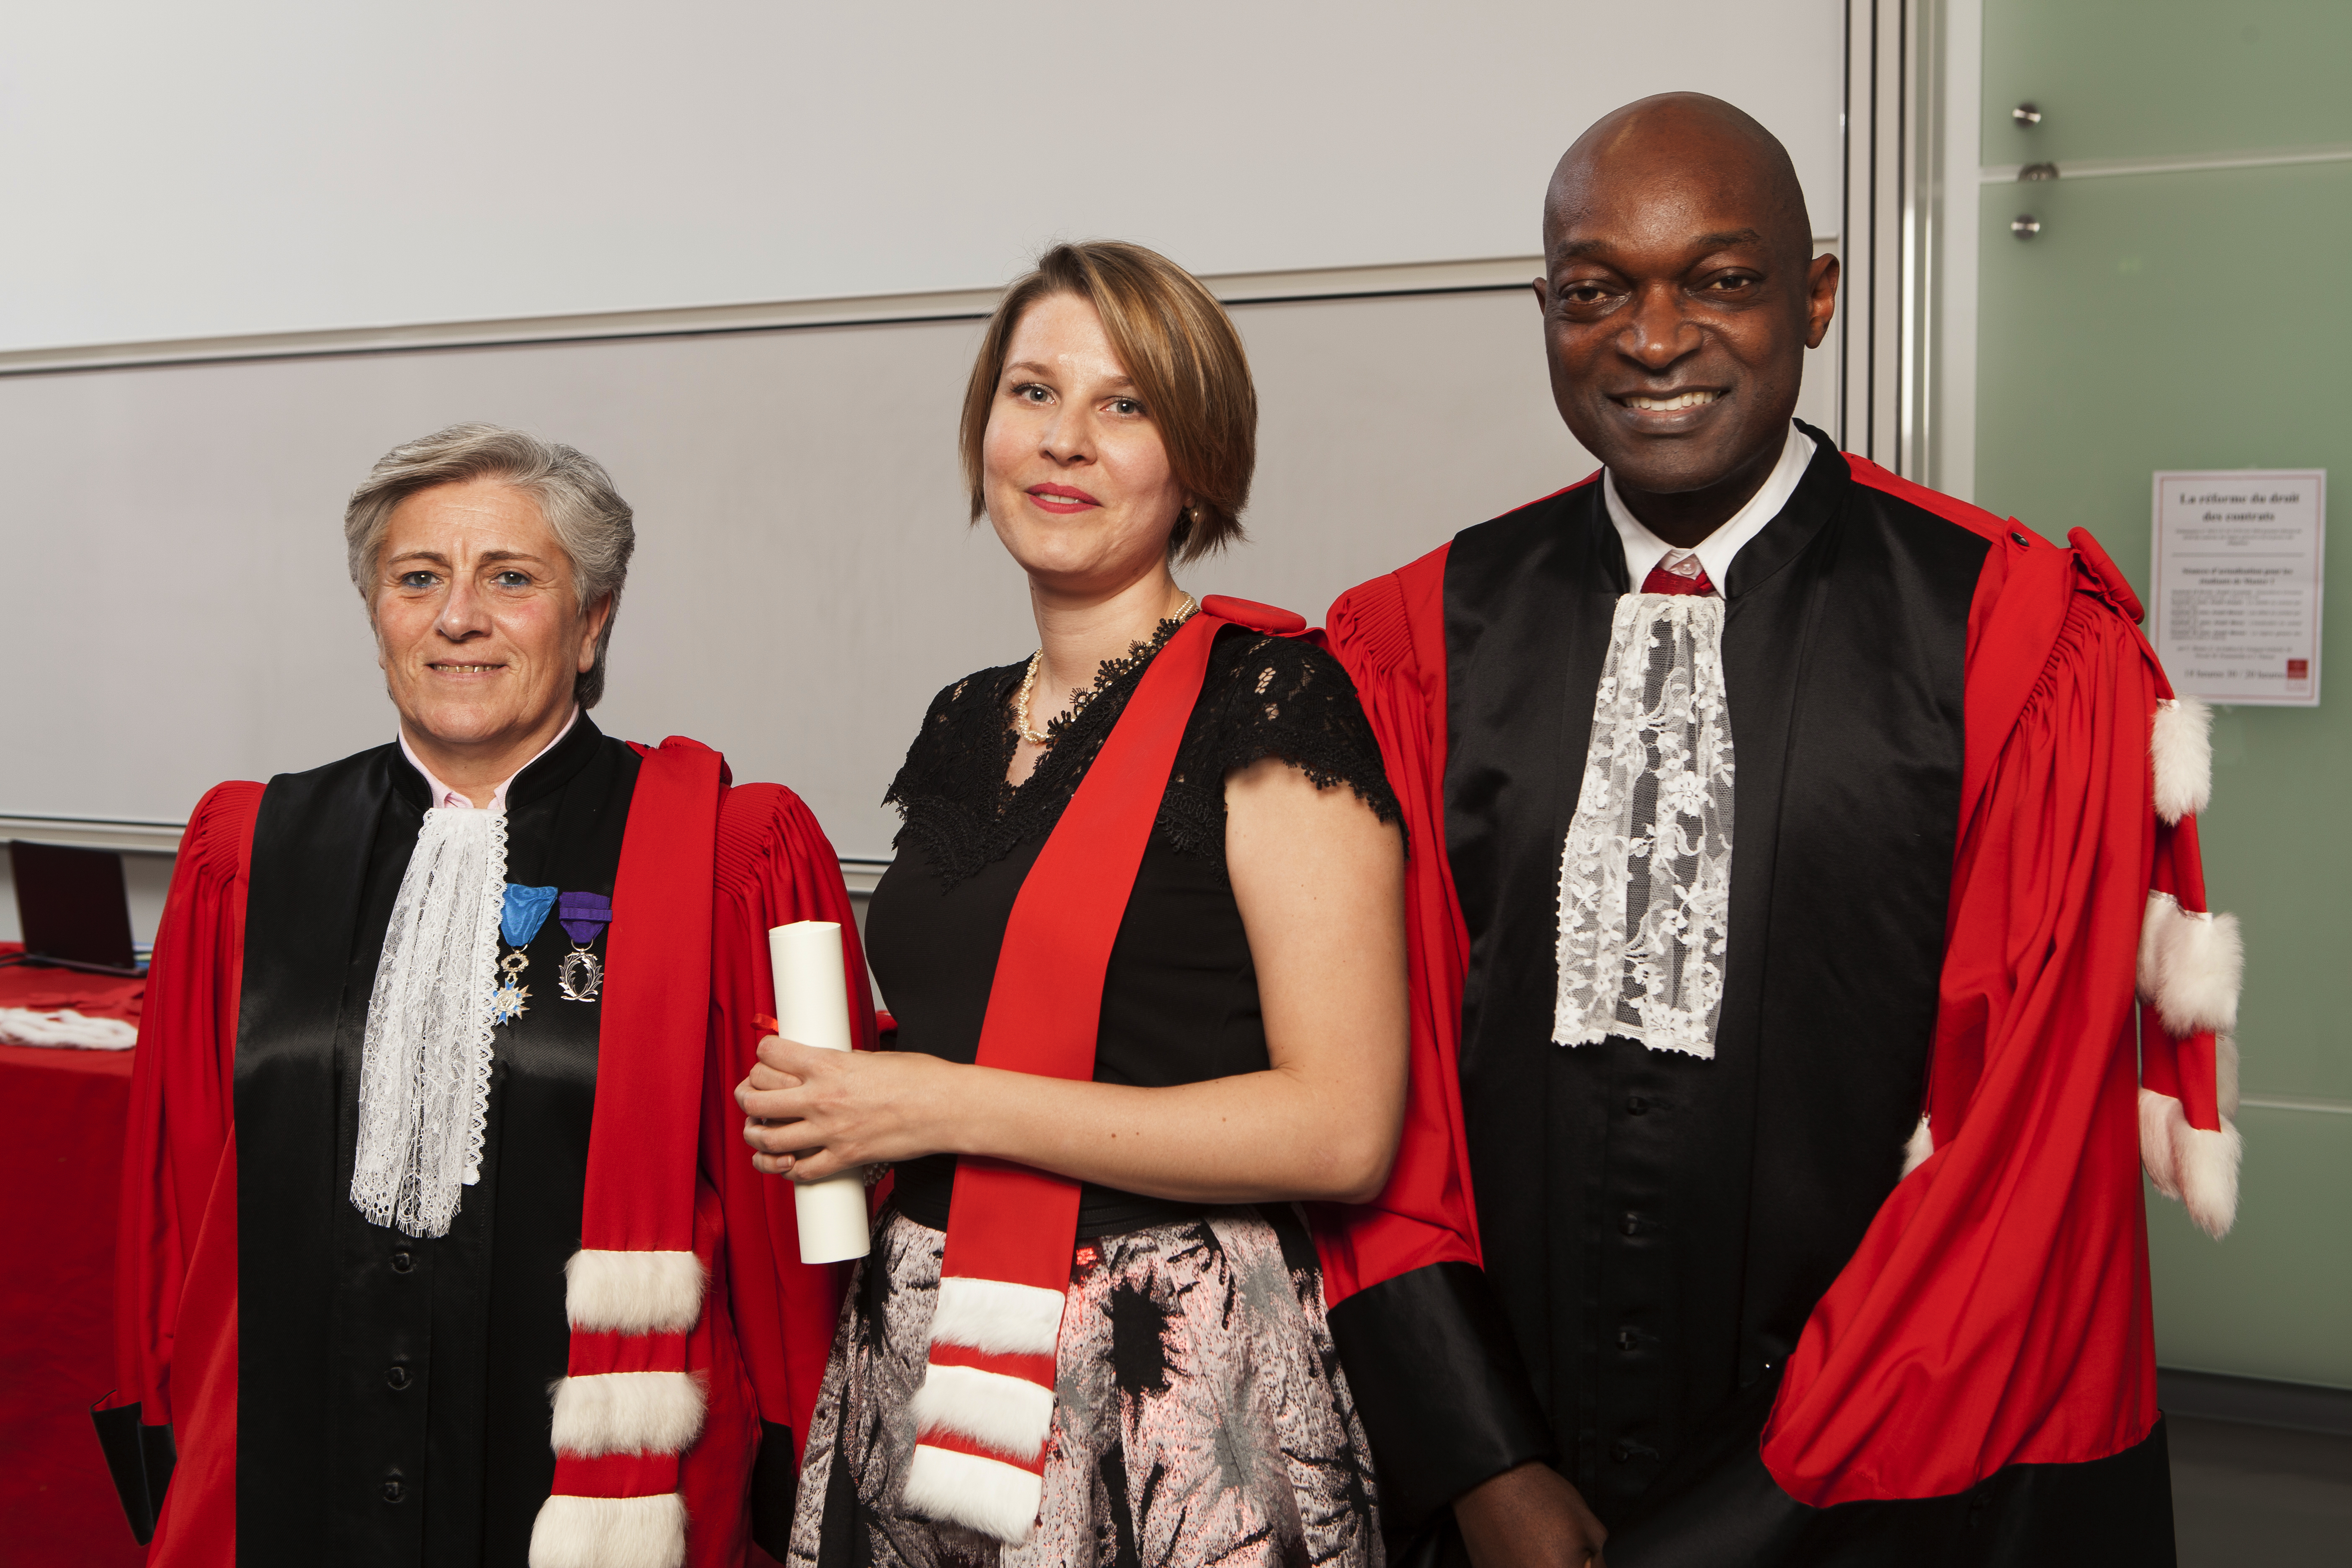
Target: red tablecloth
[{"x": 61, "y": 1115}]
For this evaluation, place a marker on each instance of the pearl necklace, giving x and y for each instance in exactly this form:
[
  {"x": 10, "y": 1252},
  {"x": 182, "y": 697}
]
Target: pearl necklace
[{"x": 1029, "y": 682}]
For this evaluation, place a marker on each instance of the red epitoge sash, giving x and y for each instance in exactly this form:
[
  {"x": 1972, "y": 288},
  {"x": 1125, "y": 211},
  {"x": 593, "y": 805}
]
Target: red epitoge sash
[
  {"x": 629, "y": 1407},
  {"x": 987, "y": 1401}
]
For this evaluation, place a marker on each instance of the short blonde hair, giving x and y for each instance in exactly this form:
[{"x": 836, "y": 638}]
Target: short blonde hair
[
  {"x": 595, "y": 527},
  {"x": 1177, "y": 346}
]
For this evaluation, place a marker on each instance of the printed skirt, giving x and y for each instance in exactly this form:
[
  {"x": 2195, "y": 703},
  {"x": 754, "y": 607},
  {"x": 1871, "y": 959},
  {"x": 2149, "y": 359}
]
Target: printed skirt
[{"x": 1198, "y": 1415}]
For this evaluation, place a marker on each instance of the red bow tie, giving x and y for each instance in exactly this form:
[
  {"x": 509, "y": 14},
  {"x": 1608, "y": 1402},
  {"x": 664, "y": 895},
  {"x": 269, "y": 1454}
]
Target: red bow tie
[{"x": 1679, "y": 572}]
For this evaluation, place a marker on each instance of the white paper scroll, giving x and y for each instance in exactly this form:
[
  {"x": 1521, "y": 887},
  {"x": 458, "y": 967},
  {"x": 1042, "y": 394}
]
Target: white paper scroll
[{"x": 812, "y": 1006}]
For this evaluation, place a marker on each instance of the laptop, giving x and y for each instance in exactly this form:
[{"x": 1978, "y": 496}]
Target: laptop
[{"x": 73, "y": 907}]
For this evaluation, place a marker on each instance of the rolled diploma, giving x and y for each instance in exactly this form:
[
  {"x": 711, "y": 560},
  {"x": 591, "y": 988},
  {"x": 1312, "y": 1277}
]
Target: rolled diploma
[{"x": 812, "y": 1006}]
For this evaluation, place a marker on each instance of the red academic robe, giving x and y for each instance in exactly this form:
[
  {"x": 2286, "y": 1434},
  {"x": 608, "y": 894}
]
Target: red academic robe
[
  {"x": 760, "y": 1345},
  {"x": 1989, "y": 1334}
]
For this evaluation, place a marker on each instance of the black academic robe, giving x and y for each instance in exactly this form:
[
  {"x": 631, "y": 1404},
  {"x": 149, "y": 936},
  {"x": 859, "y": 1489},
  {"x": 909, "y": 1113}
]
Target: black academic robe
[
  {"x": 405, "y": 1379},
  {"x": 336, "y": 1391}
]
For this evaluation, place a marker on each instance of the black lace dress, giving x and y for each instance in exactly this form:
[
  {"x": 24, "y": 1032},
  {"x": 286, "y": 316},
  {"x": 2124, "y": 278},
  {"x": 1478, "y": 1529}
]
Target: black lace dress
[{"x": 1200, "y": 1411}]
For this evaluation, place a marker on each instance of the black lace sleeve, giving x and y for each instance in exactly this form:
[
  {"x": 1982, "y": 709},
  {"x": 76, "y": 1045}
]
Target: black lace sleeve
[
  {"x": 951, "y": 791},
  {"x": 1270, "y": 697}
]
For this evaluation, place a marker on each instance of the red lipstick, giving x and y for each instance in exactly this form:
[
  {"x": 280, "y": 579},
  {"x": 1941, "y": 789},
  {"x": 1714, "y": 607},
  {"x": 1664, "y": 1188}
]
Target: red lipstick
[{"x": 1061, "y": 499}]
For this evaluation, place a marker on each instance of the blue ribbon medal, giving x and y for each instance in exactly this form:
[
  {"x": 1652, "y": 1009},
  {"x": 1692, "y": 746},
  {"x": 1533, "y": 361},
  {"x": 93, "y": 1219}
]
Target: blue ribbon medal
[{"x": 525, "y": 911}]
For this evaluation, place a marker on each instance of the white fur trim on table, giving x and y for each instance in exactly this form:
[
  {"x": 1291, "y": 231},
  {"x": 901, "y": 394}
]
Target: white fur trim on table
[
  {"x": 1011, "y": 1415},
  {"x": 2181, "y": 754},
  {"x": 990, "y": 1315},
  {"x": 610, "y": 1532},
  {"x": 31, "y": 1027},
  {"x": 617, "y": 1292},
  {"x": 628, "y": 1413},
  {"x": 2198, "y": 1168},
  {"x": 2190, "y": 966},
  {"x": 987, "y": 1495}
]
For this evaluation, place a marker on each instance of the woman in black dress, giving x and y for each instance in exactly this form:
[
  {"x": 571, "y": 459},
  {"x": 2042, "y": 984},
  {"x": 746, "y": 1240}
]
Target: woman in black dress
[{"x": 1183, "y": 1404}]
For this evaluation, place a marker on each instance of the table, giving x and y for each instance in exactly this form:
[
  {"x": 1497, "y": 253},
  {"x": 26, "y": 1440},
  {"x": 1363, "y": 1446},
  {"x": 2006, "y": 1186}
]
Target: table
[{"x": 61, "y": 1118}]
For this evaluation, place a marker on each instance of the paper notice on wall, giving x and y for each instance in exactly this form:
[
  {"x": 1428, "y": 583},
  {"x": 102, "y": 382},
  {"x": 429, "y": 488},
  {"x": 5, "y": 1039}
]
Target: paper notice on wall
[{"x": 2237, "y": 578}]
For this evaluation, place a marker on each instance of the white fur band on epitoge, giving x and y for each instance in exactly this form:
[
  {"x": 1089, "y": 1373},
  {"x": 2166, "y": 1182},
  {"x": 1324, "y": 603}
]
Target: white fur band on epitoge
[
  {"x": 628, "y": 1413},
  {"x": 2191, "y": 965},
  {"x": 1000, "y": 1317},
  {"x": 610, "y": 1532},
  {"x": 1010, "y": 1415},
  {"x": 608, "y": 1291},
  {"x": 1001, "y": 1409},
  {"x": 987, "y": 1495},
  {"x": 1915, "y": 1151},
  {"x": 2196, "y": 1168},
  {"x": 2180, "y": 757}
]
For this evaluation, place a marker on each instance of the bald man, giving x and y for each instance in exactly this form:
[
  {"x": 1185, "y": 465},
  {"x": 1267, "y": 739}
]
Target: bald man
[{"x": 1783, "y": 836}]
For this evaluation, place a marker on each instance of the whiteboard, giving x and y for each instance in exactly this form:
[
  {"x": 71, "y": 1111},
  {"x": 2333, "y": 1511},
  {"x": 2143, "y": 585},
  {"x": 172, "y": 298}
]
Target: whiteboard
[
  {"x": 249, "y": 166},
  {"x": 804, "y": 581}
]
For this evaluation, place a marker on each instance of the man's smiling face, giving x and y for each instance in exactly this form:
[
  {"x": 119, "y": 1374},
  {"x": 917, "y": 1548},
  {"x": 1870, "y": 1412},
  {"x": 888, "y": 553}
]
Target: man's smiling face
[
  {"x": 478, "y": 626},
  {"x": 1679, "y": 296}
]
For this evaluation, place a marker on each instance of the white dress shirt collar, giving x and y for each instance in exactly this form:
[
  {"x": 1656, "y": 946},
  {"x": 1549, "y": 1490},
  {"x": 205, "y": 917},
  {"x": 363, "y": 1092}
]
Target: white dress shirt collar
[
  {"x": 444, "y": 795},
  {"x": 1644, "y": 549}
]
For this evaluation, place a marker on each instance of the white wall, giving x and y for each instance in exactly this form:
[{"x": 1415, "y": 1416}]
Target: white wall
[
  {"x": 167, "y": 532},
  {"x": 805, "y": 579},
  {"x": 177, "y": 171}
]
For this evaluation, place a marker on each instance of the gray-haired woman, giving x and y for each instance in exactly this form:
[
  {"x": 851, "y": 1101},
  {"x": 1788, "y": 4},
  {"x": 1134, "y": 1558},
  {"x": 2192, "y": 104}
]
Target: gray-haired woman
[{"x": 425, "y": 1109}]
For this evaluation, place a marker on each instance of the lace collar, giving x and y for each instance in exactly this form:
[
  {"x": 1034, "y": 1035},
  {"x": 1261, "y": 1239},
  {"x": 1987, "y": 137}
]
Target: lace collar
[{"x": 958, "y": 808}]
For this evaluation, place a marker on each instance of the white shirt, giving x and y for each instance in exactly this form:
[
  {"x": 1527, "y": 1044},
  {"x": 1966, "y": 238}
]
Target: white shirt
[
  {"x": 1644, "y": 549},
  {"x": 444, "y": 795}
]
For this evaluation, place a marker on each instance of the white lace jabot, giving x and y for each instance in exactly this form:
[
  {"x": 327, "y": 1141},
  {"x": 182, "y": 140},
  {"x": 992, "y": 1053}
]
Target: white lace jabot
[
  {"x": 1645, "y": 872},
  {"x": 425, "y": 1067}
]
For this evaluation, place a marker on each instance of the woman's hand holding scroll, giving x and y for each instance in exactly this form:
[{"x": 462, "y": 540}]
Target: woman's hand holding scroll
[{"x": 815, "y": 1113}]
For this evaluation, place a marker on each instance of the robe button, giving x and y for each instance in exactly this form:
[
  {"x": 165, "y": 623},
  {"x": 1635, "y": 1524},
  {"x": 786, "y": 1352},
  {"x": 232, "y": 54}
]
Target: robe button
[
  {"x": 1628, "y": 1340},
  {"x": 402, "y": 1262},
  {"x": 1631, "y": 1224},
  {"x": 1625, "y": 1450},
  {"x": 398, "y": 1378},
  {"x": 1636, "y": 1106},
  {"x": 393, "y": 1491}
]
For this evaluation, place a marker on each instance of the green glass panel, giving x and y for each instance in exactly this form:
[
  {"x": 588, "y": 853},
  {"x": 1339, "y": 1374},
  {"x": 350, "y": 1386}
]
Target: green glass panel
[
  {"x": 2191, "y": 321},
  {"x": 2269, "y": 1299},
  {"x": 2152, "y": 78}
]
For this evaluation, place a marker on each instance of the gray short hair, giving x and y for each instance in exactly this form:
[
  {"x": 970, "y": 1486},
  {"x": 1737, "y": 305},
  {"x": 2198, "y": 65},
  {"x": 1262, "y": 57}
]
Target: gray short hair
[{"x": 574, "y": 494}]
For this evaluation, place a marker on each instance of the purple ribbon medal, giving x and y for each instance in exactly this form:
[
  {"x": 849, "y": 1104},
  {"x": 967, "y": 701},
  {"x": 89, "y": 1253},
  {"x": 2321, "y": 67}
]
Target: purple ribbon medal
[{"x": 584, "y": 917}]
